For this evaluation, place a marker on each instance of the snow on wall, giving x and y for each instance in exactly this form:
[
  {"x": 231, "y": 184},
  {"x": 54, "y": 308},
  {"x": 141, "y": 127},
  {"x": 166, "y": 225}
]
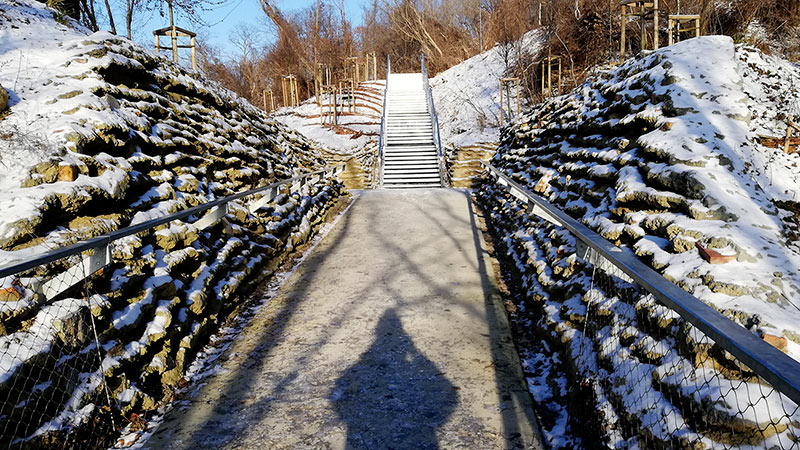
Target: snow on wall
[
  {"x": 661, "y": 155},
  {"x": 102, "y": 134}
]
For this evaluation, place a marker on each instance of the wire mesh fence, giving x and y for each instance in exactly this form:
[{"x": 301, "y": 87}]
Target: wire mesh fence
[
  {"x": 642, "y": 372},
  {"x": 93, "y": 335},
  {"x": 50, "y": 359}
]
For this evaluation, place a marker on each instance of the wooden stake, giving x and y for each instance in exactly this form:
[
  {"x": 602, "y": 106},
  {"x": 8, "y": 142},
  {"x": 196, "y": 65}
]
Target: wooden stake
[
  {"x": 194, "y": 52},
  {"x": 655, "y": 25},
  {"x": 174, "y": 33},
  {"x": 622, "y": 38}
]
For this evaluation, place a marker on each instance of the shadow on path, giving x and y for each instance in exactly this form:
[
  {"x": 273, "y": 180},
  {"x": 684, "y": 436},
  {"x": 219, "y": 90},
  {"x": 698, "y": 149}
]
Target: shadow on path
[{"x": 393, "y": 396}]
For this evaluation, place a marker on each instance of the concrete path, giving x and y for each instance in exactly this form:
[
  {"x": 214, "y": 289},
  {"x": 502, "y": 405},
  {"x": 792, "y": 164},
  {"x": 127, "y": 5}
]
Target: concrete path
[{"x": 391, "y": 335}]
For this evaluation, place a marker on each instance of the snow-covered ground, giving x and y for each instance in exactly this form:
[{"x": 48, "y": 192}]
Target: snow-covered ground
[
  {"x": 467, "y": 95},
  {"x": 82, "y": 117},
  {"x": 356, "y": 126}
]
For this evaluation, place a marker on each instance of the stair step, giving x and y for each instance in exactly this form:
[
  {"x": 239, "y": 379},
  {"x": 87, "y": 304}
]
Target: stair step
[
  {"x": 425, "y": 152},
  {"x": 411, "y": 160},
  {"x": 395, "y": 178},
  {"x": 396, "y": 149},
  {"x": 416, "y": 186},
  {"x": 392, "y": 174},
  {"x": 410, "y": 166}
]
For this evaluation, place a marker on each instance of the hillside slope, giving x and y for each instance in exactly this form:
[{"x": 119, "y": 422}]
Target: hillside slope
[
  {"x": 126, "y": 123},
  {"x": 467, "y": 100},
  {"x": 660, "y": 155},
  {"x": 102, "y": 134}
]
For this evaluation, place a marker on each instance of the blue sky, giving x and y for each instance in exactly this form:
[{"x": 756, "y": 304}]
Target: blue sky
[{"x": 225, "y": 19}]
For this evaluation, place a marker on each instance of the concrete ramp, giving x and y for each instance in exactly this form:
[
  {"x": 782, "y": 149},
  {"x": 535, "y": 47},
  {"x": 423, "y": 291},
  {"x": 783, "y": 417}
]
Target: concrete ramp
[{"x": 390, "y": 335}]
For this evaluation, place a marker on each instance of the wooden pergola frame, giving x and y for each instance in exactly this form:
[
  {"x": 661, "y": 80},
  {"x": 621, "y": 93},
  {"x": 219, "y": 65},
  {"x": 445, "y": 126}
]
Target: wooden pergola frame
[
  {"x": 644, "y": 10},
  {"x": 174, "y": 33},
  {"x": 269, "y": 106},
  {"x": 346, "y": 87},
  {"x": 505, "y": 85},
  {"x": 547, "y": 74},
  {"x": 372, "y": 66},
  {"x": 291, "y": 96},
  {"x": 322, "y": 77},
  {"x": 787, "y": 142},
  {"x": 352, "y": 69},
  {"x": 332, "y": 94},
  {"x": 677, "y": 21}
]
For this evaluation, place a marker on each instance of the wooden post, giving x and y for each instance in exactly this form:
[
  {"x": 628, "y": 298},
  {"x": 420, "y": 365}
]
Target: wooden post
[
  {"x": 549, "y": 73},
  {"x": 655, "y": 25},
  {"x": 158, "y": 43},
  {"x": 642, "y": 9},
  {"x": 284, "y": 89},
  {"x": 269, "y": 106},
  {"x": 790, "y": 128},
  {"x": 670, "y": 26},
  {"x": 502, "y": 116},
  {"x": 543, "y": 74},
  {"x": 622, "y": 38},
  {"x": 642, "y": 27},
  {"x": 295, "y": 92},
  {"x": 676, "y": 23},
  {"x": 174, "y": 33},
  {"x": 559, "y": 75},
  {"x": 194, "y": 53},
  {"x": 506, "y": 107}
]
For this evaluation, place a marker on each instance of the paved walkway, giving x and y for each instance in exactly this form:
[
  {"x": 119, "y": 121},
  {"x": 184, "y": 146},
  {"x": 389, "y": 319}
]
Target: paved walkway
[{"x": 390, "y": 335}]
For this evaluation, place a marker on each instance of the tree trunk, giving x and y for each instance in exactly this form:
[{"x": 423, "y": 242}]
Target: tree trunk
[{"x": 111, "y": 18}]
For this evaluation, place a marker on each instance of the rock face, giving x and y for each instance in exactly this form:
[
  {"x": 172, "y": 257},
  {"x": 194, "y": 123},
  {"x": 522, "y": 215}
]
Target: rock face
[
  {"x": 605, "y": 155},
  {"x": 464, "y": 163},
  {"x": 128, "y": 137},
  {"x": 3, "y": 99}
]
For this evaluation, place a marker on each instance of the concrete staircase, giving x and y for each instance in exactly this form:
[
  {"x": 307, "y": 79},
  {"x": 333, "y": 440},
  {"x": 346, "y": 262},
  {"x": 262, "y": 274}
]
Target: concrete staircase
[{"x": 410, "y": 155}]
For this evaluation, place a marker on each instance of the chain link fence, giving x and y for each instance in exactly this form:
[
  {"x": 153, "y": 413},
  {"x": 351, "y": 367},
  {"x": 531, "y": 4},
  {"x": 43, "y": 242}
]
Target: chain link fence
[
  {"x": 97, "y": 334},
  {"x": 657, "y": 368}
]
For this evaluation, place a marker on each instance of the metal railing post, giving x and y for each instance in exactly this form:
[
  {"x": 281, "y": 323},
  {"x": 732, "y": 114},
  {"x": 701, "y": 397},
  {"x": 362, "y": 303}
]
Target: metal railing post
[
  {"x": 434, "y": 120},
  {"x": 382, "y": 138}
]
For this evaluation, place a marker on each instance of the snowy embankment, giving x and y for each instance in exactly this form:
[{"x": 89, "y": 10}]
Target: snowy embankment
[
  {"x": 355, "y": 135},
  {"x": 661, "y": 155},
  {"x": 467, "y": 99},
  {"x": 102, "y": 134}
]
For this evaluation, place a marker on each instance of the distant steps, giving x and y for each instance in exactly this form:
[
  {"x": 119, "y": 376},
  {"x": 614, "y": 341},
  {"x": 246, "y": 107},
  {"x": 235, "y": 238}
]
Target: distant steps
[{"x": 410, "y": 154}]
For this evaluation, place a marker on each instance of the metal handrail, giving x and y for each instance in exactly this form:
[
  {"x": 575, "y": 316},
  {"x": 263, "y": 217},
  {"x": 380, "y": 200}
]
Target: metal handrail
[
  {"x": 434, "y": 118},
  {"x": 778, "y": 369},
  {"x": 107, "y": 239},
  {"x": 382, "y": 137}
]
